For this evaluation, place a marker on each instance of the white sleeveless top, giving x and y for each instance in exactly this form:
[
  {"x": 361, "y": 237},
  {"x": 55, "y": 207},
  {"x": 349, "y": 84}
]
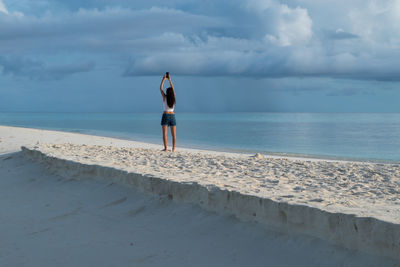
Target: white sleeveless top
[{"x": 166, "y": 107}]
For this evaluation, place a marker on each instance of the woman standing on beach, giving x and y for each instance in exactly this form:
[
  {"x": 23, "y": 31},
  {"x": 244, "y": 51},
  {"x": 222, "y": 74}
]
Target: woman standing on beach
[{"x": 168, "y": 117}]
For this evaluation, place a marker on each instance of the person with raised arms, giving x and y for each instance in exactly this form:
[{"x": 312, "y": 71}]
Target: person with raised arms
[{"x": 168, "y": 117}]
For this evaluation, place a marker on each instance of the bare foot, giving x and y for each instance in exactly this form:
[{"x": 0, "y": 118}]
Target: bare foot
[
  {"x": 173, "y": 150},
  {"x": 165, "y": 150}
]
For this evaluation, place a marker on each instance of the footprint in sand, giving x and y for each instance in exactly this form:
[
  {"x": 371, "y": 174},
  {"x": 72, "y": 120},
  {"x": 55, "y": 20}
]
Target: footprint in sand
[
  {"x": 317, "y": 200},
  {"x": 38, "y": 232},
  {"x": 62, "y": 216},
  {"x": 133, "y": 213},
  {"x": 119, "y": 201}
]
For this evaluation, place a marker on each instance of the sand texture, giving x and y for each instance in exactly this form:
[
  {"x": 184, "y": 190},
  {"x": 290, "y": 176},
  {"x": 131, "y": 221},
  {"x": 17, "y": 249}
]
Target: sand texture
[
  {"x": 363, "y": 189},
  {"x": 63, "y": 205},
  {"x": 234, "y": 185}
]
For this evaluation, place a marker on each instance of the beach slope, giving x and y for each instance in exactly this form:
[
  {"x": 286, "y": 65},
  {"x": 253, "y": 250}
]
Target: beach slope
[{"x": 52, "y": 215}]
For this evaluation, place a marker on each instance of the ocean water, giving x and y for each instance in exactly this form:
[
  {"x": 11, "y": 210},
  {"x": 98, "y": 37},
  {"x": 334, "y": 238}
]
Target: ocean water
[{"x": 363, "y": 136}]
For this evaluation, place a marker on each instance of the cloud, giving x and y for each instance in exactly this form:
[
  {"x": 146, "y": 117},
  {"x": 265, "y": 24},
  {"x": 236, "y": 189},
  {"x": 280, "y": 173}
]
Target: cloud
[
  {"x": 293, "y": 26},
  {"x": 344, "y": 92},
  {"x": 97, "y": 29},
  {"x": 3, "y": 7},
  {"x": 68, "y": 69},
  {"x": 340, "y": 34},
  {"x": 22, "y": 67},
  {"x": 253, "y": 38}
]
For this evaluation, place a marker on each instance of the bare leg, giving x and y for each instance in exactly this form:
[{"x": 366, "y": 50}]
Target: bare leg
[
  {"x": 173, "y": 133},
  {"x": 164, "y": 132}
]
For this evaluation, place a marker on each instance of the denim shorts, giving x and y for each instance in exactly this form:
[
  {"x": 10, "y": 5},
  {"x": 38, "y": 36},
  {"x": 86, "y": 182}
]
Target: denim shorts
[{"x": 168, "y": 120}]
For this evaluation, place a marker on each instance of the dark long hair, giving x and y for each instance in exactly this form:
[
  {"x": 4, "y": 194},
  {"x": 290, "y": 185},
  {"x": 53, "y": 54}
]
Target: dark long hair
[{"x": 170, "y": 97}]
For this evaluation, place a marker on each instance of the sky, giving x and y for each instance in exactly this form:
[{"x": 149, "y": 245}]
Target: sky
[{"x": 223, "y": 55}]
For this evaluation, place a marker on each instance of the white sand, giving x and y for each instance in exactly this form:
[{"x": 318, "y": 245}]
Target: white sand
[
  {"x": 46, "y": 217},
  {"x": 363, "y": 189}
]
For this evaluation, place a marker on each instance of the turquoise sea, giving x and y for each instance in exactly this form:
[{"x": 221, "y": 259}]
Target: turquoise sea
[{"x": 363, "y": 136}]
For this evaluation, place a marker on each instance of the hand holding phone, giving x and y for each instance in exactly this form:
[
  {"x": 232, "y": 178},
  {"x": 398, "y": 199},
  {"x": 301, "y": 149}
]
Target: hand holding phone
[{"x": 167, "y": 75}]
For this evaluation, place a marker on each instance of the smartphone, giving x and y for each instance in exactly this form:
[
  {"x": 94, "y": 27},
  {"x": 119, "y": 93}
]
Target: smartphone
[{"x": 167, "y": 74}]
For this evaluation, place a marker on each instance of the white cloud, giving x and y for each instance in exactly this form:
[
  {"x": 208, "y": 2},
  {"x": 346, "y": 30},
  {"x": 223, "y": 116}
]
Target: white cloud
[
  {"x": 3, "y": 7},
  {"x": 294, "y": 27},
  {"x": 283, "y": 25},
  {"x": 377, "y": 21}
]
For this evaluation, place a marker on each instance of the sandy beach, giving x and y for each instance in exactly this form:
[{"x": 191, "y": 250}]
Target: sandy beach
[{"x": 77, "y": 200}]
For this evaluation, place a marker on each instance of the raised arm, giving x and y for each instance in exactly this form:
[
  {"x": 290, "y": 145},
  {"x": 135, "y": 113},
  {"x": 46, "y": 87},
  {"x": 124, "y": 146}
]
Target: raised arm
[
  {"x": 170, "y": 82},
  {"x": 161, "y": 86}
]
